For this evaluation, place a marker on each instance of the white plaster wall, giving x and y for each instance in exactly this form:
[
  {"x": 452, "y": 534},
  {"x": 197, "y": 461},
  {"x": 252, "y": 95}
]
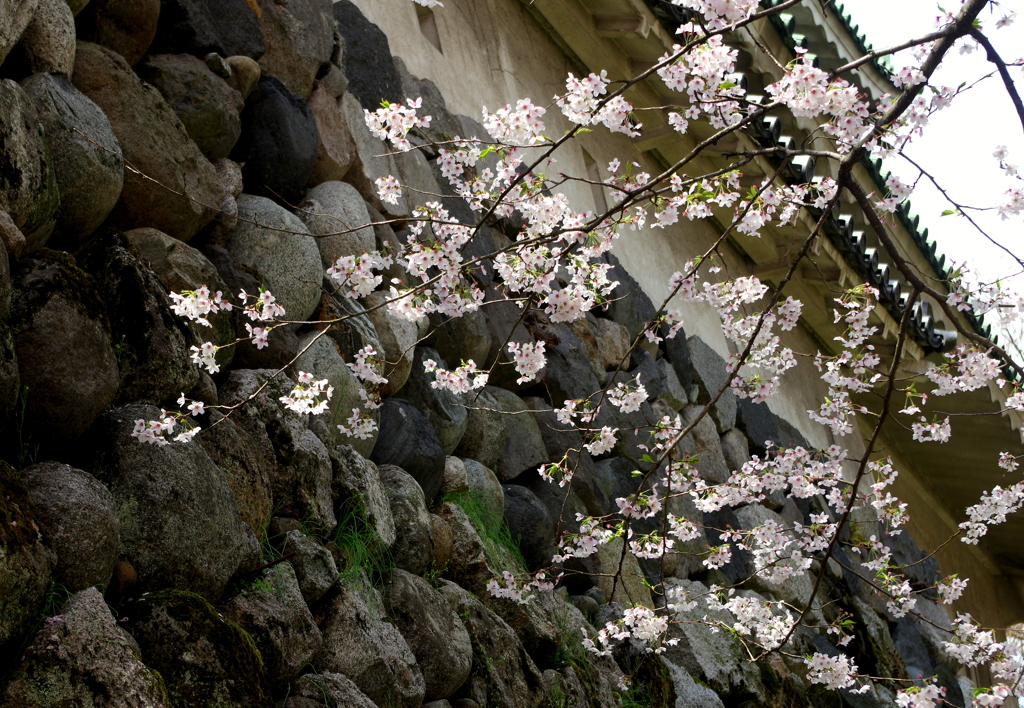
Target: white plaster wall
[{"x": 495, "y": 53}]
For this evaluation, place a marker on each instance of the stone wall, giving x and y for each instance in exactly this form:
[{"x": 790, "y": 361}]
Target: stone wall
[{"x": 154, "y": 147}]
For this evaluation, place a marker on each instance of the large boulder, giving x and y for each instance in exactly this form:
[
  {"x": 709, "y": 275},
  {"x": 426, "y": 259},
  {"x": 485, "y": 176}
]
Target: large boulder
[
  {"x": 181, "y": 267},
  {"x": 15, "y": 16},
  {"x": 25, "y": 562},
  {"x": 180, "y": 526},
  {"x": 279, "y": 140},
  {"x": 705, "y": 443},
  {"x": 445, "y": 409},
  {"x": 354, "y": 330},
  {"x": 434, "y": 632},
  {"x": 408, "y": 440},
  {"x": 205, "y": 659},
  {"x": 78, "y": 519},
  {"x": 300, "y": 39},
  {"x": 301, "y": 479},
  {"x": 277, "y": 245},
  {"x": 48, "y": 43},
  {"x": 320, "y": 357},
  {"x": 524, "y": 446},
  {"x": 198, "y": 27},
  {"x": 248, "y": 463},
  {"x": 127, "y": 27},
  {"x": 372, "y": 76},
  {"x": 486, "y": 432},
  {"x": 530, "y": 525},
  {"x": 485, "y": 489},
  {"x": 397, "y": 337},
  {"x": 457, "y": 338},
  {"x": 760, "y": 426},
  {"x": 58, "y": 310},
  {"x": 630, "y": 306},
  {"x": 314, "y": 565},
  {"x": 152, "y": 343},
  {"x": 710, "y": 376},
  {"x": 360, "y": 644},
  {"x": 208, "y": 108},
  {"x": 336, "y": 216},
  {"x": 178, "y": 189},
  {"x": 360, "y": 493},
  {"x": 499, "y": 659},
  {"x": 274, "y": 613},
  {"x": 469, "y": 564},
  {"x": 82, "y": 654},
  {"x": 336, "y": 150},
  {"x": 413, "y": 548},
  {"x": 28, "y": 183},
  {"x": 339, "y": 690},
  {"x": 86, "y": 156}
]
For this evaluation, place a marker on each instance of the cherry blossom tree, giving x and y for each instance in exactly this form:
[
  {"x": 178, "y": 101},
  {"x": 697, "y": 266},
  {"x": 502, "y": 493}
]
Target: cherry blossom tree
[{"x": 555, "y": 266}]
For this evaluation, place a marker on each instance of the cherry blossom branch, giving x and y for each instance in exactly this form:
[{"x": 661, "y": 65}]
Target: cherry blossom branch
[{"x": 993, "y": 57}]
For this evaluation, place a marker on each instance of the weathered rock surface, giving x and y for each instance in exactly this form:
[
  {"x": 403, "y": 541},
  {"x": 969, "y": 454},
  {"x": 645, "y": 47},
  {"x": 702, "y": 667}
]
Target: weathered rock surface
[
  {"x": 25, "y": 562},
  {"x": 207, "y": 107},
  {"x": 372, "y": 75},
  {"x": 458, "y": 338},
  {"x": 248, "y": 464},
  {"x": 484, "y": 488},
  {"x": 336, "y": 150},
  {"x": 373, "y": 158},
  {"x": 198, "y": 27},
  {"x": 127, "y": 27},
  {"x": 397, "y": 337},
  {"x": 339, "y": 690},
  {"x": 299, "y": 37},
  {"x": 277, "y": 245},
  {"x": 205, "y": 659},
  {"x": 468, "y": 565},
  {"x": 155, "y": 142},
  {"x": 314, "y": 565},
  {"x": 275, "y": 615},
  {"x": 57, "y": 310},
  {"x": 710, "y": 376},
  {"x": 82, "y": 654},
  {"x": 28, "y": 184},
  {"x": 336, "y": 216},
  {"x": 486, "y": 433},
  {"x": 408, "y": 440},
  {"x": 434, "y": 632},
  {"x": 413, "y": 546},
  {"x": 279, "y": 142},
  {"x": 530, "y": 525},
  {"x": 524, "y": 446},
  {"x": 180, "y": 525},
  {"x": 78, "y": 519},
  {"x": 86, "y": 156},
  {"x": 360, "y": 644},
  {"x": 358, "y": 489},
  {"x": 14, "y": 18},
  {"x": 499, "y": 658},
  {"x": 152, "y": 343},
  {"x": 48, "y": 44},
  {"x": 446, "y": 410}
]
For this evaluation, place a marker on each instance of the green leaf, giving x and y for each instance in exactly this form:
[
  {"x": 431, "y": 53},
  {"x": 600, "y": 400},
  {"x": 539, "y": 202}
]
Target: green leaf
[{"x": 948, "y": 212}]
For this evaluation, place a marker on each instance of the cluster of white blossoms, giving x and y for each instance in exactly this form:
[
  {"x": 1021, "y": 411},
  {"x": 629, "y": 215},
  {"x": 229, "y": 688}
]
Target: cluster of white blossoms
[
  {"x": 461, "y": 380},
  {"x": 196, "y": 304},
  {"x": 583, "y": 105},
  {"x": 305, "y": 398},
  {"x": 831, "y": 671},
  {"x": 393, "y": 121}
]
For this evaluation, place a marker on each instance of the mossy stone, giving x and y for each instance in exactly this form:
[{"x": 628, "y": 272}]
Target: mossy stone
[{"x": 206, "y": 660}]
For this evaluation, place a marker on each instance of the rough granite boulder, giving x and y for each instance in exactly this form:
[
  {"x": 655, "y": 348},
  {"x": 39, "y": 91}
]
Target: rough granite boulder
[
  {"x": 78, "y": 518},
  {"x": 206, "y": 660},
  {"x": 299, "y": 36},
  {"x": 275, "y": 615},
  {"x": 457, "y": 338},
  {"x": 277, "y": 245},
  {"x": 152, "y": 343},
  {"x": 248, "y": 463},
  {"x": 154, "y": 140},
  {"x": 48, "y": 44},
  {"x": 339, "y": 690},
  {"x": 198, "y": 27},
  {"x": 373, "y": 158},
  {"x": 15, "y": 16},
  {"x": 87, "y": 158},
  {"x": 445, "y": 409},
  {"x": 336, "y": 150},
  {"x": 208, "y": 108},
  {"x": 25, "y": 562},
  {"x": 180, "y": 526},
  {"x": 279, "y": 142},
  {"x": 524, "y": 446},
  {"x": 314, "y": 565},
  {"x": 362, "y": 645},
  {"x": 359, "y": 491},
  {"x": 408, "y": 440},
  {"x": 468, "y": 565},
  {"x": 57, "y": 309},
  {"x": 80, "y": 654},
  {"x": 413, "y": 547},
  {"x": 397, "y": 337},
  {"x": 28, "y": 183},
  {"x": 372, "y": 76},
  {"x": 485, "y": 488},
  {"x": 127, "y": 27},
  {"x": 499, "y": 659},
  {"x": 486, "y": 433},
  {"x": 710, "y": 377},
  {"x": 530, "y": 525},
  {"x": 336, "y": 216},
  {"x": 434, "y": 632}
]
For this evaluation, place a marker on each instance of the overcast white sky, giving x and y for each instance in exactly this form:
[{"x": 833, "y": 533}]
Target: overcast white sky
[{"x": 958, "y": 145}]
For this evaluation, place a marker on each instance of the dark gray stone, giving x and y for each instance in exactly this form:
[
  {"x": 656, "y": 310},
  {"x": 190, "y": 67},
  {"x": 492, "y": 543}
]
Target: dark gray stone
[
  {"x": 530, "y": 525},
  {"x": 524, "y": 449},
  {"x": 630, "y": 305},
  {"x": 205, "y": 104},
  {"x": 486, "y": 434},
  {"x": 79, "y": 522},
  {"x": 198, "y": 27},
  {"x": 445, "y": 409},
  {"x": 358, "y": 489},
  {"x": 759, "y": 424},
  {"x": 180, "y": 526},
  {"x": 127, "y": 27},
  {"x": 86, "y": 156},
  {"x": 372, "y": 76},
  {"x": 413, "y": 548},
  {"x": 278, "y": 143},
  {"x": 711, "y": 377},
  {"x": 314, "y": 565},
  {"x": 300, "y": 40},
  {"x": 408, "y": 440},
  {"x": 339, "y": 691}
]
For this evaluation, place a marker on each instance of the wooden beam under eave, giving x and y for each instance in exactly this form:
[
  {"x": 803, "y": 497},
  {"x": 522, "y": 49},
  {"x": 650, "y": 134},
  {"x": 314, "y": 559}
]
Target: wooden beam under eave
[{"x": 613, "y": 26}]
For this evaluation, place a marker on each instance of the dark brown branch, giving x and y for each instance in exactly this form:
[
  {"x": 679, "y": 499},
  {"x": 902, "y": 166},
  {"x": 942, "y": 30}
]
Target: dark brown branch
[{"x": 993, "y": 56}]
